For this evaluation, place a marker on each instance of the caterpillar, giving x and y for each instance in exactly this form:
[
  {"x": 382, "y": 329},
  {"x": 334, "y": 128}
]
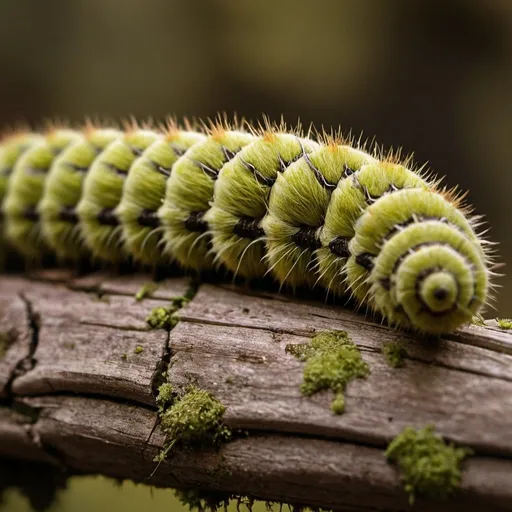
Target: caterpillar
[{"x": 319, "y": 211}]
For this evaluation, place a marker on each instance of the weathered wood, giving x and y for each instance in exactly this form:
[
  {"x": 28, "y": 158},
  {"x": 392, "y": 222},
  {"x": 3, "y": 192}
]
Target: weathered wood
[{"x": 85, "y": 399}]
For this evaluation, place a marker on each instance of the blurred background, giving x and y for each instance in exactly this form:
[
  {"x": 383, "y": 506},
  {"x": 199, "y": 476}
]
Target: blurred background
[{"x": 432, "y": 77}]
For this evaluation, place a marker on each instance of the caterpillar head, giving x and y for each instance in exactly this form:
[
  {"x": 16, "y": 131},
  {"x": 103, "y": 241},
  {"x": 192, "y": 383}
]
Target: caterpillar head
[{"x": 422, "y": 261}]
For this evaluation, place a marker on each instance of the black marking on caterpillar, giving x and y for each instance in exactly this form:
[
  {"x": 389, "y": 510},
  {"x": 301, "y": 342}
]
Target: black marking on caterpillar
[
  {"x": 195, "y": 222},
  {"x": 149, "y": 218},
  {"x": 306, "y": 238},
  {"x": 68, "y": 214},
  {"x": 339, "y": 246},
  {"x": 257, "y": 174},
  {"x": 107, "y": 217},
  {"x": 248, "y": 228},
  {"x": 318, "y": 175}
]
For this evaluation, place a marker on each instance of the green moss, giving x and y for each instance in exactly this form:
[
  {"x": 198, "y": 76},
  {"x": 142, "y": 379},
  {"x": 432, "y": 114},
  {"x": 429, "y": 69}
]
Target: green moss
[
  {"x": 164, "y": 397},
  {"x": 194, "y": 420},
  {"x": 300, "y": 350},
  {"x": 504, "y": 323},
  {"x": 162, "y": 318},
  {"x": 332, "y": 361},
  {"x": 338, "y": 404},
  {"x": 139, "y": 349},
  {"x": 124, "y": 357},
  {"x": 429, "y": 466},
  {"x": 395, "y": 354},
  {"x": 146, "y": 290},
  {"x": 166, "y": 317},
  {"x": 229, "y": 380}
]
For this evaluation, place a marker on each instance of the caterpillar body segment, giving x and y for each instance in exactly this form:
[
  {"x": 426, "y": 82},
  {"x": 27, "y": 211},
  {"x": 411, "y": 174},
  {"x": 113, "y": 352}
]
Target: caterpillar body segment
[
  {"x": 144, "y": 192},
  {"x": 102, "y": 191},
  {"x": 241, "y": 200},
  {"x": 310, "y": 213},
  {"x": 294, "y": 232},
  {"x": 349, "y": 201},
  {"x": 63, "y": 190},
  {"x": 25, "y": 191},
  {"x": 13, "y": 146},
  {"x": 188, "y": 195}
]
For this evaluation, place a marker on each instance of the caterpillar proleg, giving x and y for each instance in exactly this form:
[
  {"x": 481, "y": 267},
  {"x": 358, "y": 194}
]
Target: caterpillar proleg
[{"x": 269, "y": 200}]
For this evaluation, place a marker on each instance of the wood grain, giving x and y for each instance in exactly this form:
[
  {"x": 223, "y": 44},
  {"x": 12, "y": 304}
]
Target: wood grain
[{"x": 76, "y": 393}]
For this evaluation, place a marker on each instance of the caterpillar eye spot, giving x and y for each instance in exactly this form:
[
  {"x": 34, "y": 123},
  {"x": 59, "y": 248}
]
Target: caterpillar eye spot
[{"x": 257, "y": 202}]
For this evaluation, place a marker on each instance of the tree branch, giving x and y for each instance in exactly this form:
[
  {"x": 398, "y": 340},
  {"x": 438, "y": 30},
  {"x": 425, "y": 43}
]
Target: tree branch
[{"x": 78, "y": 394}]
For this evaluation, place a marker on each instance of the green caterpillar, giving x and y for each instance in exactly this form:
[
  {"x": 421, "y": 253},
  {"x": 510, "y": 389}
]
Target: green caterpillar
[{"x": 255, "y": 201}]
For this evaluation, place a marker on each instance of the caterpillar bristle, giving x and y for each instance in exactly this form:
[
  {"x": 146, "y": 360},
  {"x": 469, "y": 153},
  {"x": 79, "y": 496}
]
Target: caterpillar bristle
[
  {"x": 97, "y": 122},
  {"x": 172, "y": 127},
  {"x": 312, "y": 208},
  {"x": 217, "y": 126},
  {"x": 9, "y": 133}
]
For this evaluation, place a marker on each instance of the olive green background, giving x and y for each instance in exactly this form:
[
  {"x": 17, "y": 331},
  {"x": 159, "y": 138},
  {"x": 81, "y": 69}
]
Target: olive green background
[{"x": 432, "y": 77}]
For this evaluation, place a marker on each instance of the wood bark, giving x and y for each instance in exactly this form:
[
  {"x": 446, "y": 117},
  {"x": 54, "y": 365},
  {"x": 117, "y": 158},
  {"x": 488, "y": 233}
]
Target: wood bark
[{"x": 76, "y": 395}]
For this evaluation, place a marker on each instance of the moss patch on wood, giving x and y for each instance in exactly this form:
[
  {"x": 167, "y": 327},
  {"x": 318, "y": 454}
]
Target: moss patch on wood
[
  {"x": 166, "y": 317},
  {"x": 164, "y": 397},
  {"x": 338, "y": 404},
  {"x": 332, "y": 361},
  {"x": 395, "y": 354},
  {"x": 504, "y": 323},
  {"x": 163, "y": 317},
  {"x": 193, "y": 420},
  {"x": 429, "y": 466}
]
